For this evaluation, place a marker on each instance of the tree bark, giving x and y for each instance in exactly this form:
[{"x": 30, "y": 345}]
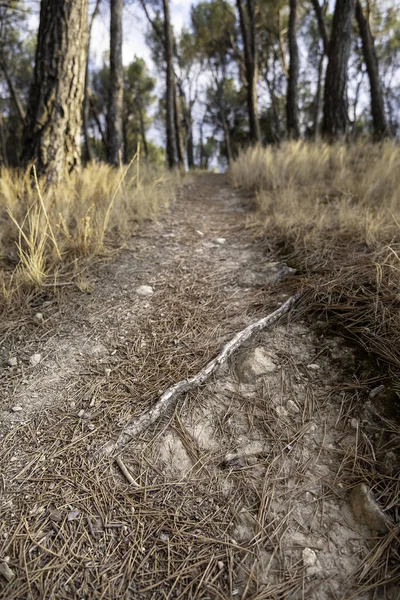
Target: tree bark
[
  {"x": 86, "y": 99},
  {"x": 321, "y": 25},
  {"x": 335, "y": 119},
  {"x": 172, "y": 151},
  {"x": 116, "y": 86},
  {"x": 54, "y": 119},
  {"x": 13, "y": 92},
  {"x": 292, "y": 108},
  {"x": 248, "y": 29},
  {"x": 143, "y": 132},
  {"x": 178, "y": 129},
  {"x": 371, "y": 61},
  {"x": 3, "y": 143},
  {"x": 317, "y": 98}
]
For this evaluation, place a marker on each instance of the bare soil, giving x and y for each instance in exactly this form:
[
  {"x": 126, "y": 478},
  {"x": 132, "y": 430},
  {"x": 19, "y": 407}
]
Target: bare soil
[{"x": 243, "y": 490}]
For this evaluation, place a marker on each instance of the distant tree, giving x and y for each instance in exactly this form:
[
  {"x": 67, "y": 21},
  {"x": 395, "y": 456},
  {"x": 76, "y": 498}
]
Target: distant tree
[
  {"x": 335, "y": 119},
  {"x": 292, "y": 107},
  {"x": 86, "y": 98},
  {"x": 247, "y": 21},
  {"x": 371, "y": 60},
  {"x": 116, "y": 83},
  {"x": 54, "y": 117}
]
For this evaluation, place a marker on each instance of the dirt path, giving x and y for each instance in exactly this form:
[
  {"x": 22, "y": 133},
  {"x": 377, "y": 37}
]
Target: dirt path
[{"x": 248, "y": 489}]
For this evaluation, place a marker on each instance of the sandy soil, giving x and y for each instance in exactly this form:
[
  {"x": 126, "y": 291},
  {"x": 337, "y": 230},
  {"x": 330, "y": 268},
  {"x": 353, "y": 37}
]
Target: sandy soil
[{"x": 249, "y": 487}]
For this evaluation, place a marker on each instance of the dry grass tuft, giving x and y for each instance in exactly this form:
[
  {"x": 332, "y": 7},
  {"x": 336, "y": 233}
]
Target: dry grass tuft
[
  {"x": 44, "y": 231},
  {"x": 333, "y": 212}
]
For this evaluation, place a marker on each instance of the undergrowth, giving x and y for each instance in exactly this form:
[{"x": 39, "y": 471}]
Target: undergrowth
[
  {"x": 333, "y": 212},
  {"x": 47, "y": 234}
]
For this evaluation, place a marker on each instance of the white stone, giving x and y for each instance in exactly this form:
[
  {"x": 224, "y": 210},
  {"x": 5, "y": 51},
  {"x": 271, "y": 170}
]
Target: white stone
[
  {"x": 17, "y": 408},
  {"x": 280, "y": 411},
  {"x": 12, "y": 361},
  {"x": 35, "y": 359},
  {"x": 253, "y": 363},
  {"x": 39, "y": 317},
  {"x": 200, "y": 233},
  {"x": 314, "y": 366},
  {"x": 354, "y": 423},
  {"x": 144, "y": 290},
  {"x": 220, "y": 241},
  {"x": 309, "y": 557}
]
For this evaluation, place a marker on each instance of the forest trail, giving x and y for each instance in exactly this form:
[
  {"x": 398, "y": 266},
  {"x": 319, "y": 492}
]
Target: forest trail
[{"x": 246, "y": 489}]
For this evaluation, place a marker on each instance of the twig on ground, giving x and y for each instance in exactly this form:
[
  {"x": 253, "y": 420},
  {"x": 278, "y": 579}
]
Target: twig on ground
[
  {"x": 135, "y": 427},
  {"x": 125, "y": 472}
]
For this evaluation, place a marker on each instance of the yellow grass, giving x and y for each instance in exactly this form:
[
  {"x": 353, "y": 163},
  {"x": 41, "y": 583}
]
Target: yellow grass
[{"x": 42, "y": 230}]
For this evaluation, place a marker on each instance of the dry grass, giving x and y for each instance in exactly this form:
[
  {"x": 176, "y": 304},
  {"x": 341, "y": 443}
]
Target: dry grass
[
  {"x": 333, "y": 212},
  {"x": 45, "y": 232}
]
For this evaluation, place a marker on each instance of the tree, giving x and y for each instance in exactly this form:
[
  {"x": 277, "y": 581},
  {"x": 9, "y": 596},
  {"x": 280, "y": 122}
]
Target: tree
[
  {"x": 54, "y": 114},
  {"x": 335, "y": 119},
  {"x": 371, "y": 61},
  {"x": 172, "y": 151},
  {"x": 116, "y": 83},
  {"x": 86, "y": 97},
  {"x": 248, "y": 29},
  {"x": 292, "y": 109}
]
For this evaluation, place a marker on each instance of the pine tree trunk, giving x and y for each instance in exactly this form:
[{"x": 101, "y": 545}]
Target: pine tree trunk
[
  {"x": 317, "y": 99},
  {"x": 321, "y": 25},
  {"x": 3, "y": 143},
  {"x": 116, "y": 86},
  {"x": 86, "y": 97},
  {"x": 178, "y": 132},
  {"x": 371, "y": 61},
  {"x": 248, "y": 29},
  {"x": 171, "y": 133},
  {"x": 335, "y": 118},
  {"x": 292, "y": 108},
  {"x": 53, "y": 133},
  {"x": 143, "y": 133}
]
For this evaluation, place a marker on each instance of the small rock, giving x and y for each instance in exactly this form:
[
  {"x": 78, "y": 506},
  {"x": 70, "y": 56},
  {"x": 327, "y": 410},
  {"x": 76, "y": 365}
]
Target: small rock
[
  {"x": 72, "y": 404},
  {"x": 107, "y": 372},
  {"x": 292, "y": 407},
  {"x": 17, "y": 408},
  {"x": 354, "y": 423},
  {"x": 309, "y": 557},
  {"x": 144, "y": 290},
  {"x": 313, "y": 366},
  {"x": 220, "y": 565},
  {"x": 56, "y": 515},
  {"x": 35, "y": 359},
  {"x": 73, "y": 515},
  {"x": 280, "y": 411},
  {"x": 39, "y": 317},
  {"x": 376, "y": 391},
  {"x": 5, "y": 570},
  {"x": 81, "y": 413},
  {"x": 389, "y": 463},
  {"x": 200, "y": 233},
  {"x": 12, "y": 361},
  {"x": 220, "y": 241},
  {"x": 253, "y": 363},
  {"x": 366, "y": 511}
]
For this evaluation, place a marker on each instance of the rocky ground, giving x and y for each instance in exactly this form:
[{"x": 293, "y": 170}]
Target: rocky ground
[{"x": 277, "y": 478}]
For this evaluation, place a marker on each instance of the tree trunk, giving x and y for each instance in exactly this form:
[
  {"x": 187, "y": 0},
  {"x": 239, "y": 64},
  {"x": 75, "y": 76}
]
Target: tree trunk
[
  {"x": 227, "y": 135},
  {"x": 335, "y": 118},
  {"x": 86, "y": 100},
  {"x": 143, "y": 133},
  {"x": 371, "y": 61},
  {"x": 321, "y": 25},
  {"x": 292, "y": 108},
  {"x": 13, "y": 92},
  {"x": 190, "y": 143},
  {"x": 116, "y": 86},
  {"x": 178, "y": 132},
  {"x": 3, "y": 143},
  {"x": 248, "y": 29},
  {"x": 170, "y": 126},
  {"x": 317, "y": 98},
  {"x": 54, "y": 120}
]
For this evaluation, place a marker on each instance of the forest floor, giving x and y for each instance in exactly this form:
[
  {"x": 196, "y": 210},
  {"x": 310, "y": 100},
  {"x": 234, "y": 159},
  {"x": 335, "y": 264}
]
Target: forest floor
[{"x": 256, "y": 485}]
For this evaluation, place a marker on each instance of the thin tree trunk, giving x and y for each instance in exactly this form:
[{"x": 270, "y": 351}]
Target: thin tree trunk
[
  {"x": 96, "y": 118},
  {"x": 171, "y": 96},
  {"x": 292, "y": 108},
  {"x": 54, "y": 119},
  {"x": 3, "y": 143},
  {"x": 143, "y": 133},
  {"x": 190, "y": 143},
  {"x": 13, "y": 92},
  {"x": 247, "y": 26},
  {"x": 178, "y": 132},
  {"x": 227, "y": 136},
  {"x": 317, "y": 99},
  {"x": 371, "y": 60},
  {"x": 335, "y": 118},
  {"x": 321, "y": 25},
  {"x": 116, "y": 85},
  {"x": 86, "y": 101}
]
